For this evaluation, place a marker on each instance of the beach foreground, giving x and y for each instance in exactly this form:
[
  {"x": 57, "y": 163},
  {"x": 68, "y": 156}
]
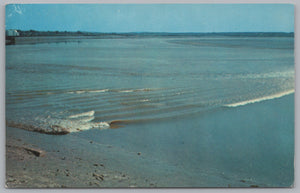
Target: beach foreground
[{"x": 81, "y": 160}]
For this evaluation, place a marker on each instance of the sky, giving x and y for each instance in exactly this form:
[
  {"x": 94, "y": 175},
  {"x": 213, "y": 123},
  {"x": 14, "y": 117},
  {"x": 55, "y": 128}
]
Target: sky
[{"x": 151, "y": 17}]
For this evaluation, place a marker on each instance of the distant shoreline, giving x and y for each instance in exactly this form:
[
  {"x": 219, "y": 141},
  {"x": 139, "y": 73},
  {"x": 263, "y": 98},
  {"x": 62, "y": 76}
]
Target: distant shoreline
[
  {"x": 34, "y": 37},
  {"x": 33, "y": 33},
  {"x": 43, "y": 39}
]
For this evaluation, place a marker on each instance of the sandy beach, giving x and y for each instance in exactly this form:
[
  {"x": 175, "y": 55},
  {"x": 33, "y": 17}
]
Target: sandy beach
[{"x": 60, "y": 166}]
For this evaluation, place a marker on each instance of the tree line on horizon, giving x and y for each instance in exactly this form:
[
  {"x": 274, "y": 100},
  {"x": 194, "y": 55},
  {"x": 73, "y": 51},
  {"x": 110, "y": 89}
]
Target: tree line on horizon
[{"x": 31, "y": 33}]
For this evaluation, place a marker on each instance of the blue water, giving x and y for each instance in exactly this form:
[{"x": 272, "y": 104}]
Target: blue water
[{"x": 170, "y": 99}]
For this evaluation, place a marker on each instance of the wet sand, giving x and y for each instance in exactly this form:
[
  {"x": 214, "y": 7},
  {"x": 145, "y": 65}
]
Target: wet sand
[{"x": 61, "y": 167}]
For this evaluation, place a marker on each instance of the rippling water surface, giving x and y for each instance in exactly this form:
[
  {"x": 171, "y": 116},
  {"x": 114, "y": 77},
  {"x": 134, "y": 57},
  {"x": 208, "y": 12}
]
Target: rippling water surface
[
  {"x": 141, "y": 79},
  {"x": 119, "y": 83}
]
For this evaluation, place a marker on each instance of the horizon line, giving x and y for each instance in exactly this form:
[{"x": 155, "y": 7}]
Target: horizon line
[{"x": 76, "y": 31}]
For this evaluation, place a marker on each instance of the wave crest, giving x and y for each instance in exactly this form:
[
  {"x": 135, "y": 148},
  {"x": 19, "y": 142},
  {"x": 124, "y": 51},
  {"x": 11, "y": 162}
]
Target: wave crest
[{"x": 274, "y": 96}]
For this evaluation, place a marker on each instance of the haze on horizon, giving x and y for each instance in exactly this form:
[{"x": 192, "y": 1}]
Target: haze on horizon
[{"x": 151, "y": 17}]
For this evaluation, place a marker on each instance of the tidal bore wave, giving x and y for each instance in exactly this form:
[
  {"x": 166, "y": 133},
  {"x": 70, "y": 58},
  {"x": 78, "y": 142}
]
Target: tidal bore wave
[
  {"x": 54, "y": 126},
  {"x": 136, "y": 112},
  {"x": 122, "y": 85},
  {"x": 274, "y": 96}
]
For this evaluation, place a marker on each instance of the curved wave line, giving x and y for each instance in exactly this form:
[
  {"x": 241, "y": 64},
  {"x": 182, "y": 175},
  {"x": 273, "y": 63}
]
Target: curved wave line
[
  {"x": 274, "y": 96},
  {"x": 85, "y": 114}
]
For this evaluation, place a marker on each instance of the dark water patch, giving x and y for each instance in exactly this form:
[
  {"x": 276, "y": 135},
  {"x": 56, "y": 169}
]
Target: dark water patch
[{"x": 156, "y": 113}]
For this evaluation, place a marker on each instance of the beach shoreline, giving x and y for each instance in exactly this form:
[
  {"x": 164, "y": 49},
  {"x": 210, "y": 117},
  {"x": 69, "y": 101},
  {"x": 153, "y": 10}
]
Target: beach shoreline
[
  {"x": 70, "y": 161},
  {"x": 59, "y": 167}
]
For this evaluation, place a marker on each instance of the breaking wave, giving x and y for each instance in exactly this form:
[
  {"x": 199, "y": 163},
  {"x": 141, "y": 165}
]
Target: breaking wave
[
  {"x": 278, "y": 95},
  {"x": 56, "y": 126}
]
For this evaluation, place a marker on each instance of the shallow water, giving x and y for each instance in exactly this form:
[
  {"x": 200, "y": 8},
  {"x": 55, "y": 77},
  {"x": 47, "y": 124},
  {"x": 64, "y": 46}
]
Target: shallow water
[{"x": 155, "y": 90}]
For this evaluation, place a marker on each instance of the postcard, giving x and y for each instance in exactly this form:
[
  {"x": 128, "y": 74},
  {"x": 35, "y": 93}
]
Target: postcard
[{"x": 149, "y": 95}]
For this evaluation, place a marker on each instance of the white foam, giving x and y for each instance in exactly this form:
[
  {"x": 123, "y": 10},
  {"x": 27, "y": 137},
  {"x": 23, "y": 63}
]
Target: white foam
[
  {"x": 98, "y": 91},
  {"x": 87, "y": 91},
  {"x": 82, "y": 122},
  {"x": 278, "y": 95},
  {"x": 80, "y": 91},
  {"x": 101, "y": 125},
  {"x": 106, "y": 90},
  {"x": 139, "y": 90},
  {"x": 126, "y": 90},
  {"x": 76, "y": 125},
  {"x": 85, "y": 114},
  {"x": 146, "y": 89},
  {"x": 79, "y": 126}
]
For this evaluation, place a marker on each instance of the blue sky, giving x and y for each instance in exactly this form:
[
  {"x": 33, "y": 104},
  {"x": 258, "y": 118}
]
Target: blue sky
[{"x": 152, "y": 17}]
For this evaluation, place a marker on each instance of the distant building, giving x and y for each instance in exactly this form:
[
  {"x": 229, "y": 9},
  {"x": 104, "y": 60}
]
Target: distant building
[{"x": 12, "y": 32}]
